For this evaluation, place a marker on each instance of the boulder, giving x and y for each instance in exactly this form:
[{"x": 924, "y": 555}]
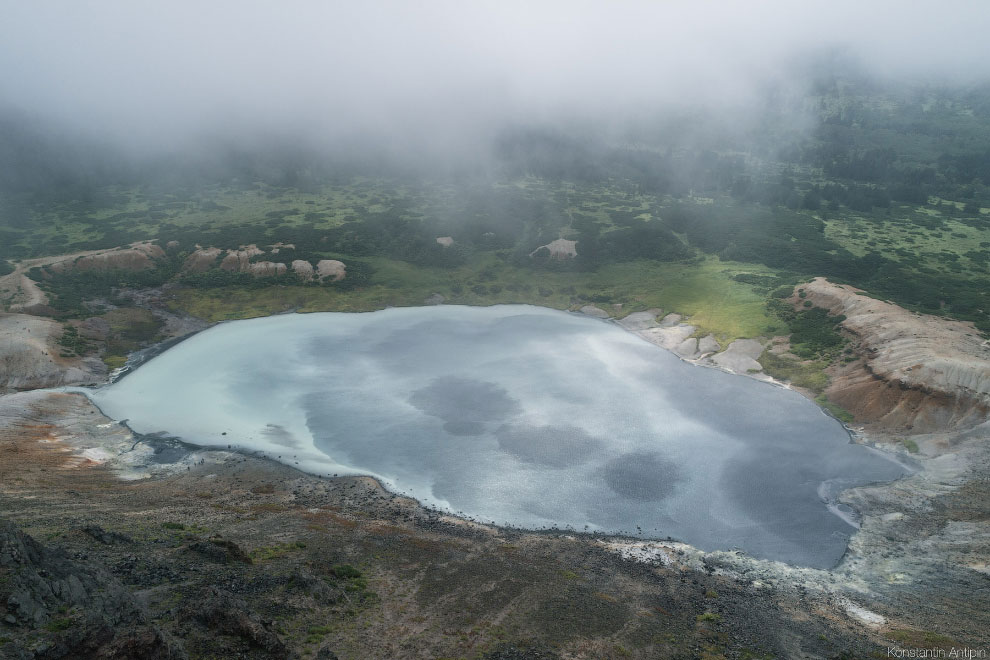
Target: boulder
[
  {"x": 597, "y": 312},
  {"x": 708, "y": 344},
  {"x": 201, "y": 260},
  {"x": 240, "y": 260},
  {"x": 559, "y": 249},
  {"x": 279, "y": 246},
  {"x": 105, "y": 537},
  {"x": 265, "y": 268},
  {"x": 740, "y": 357},
  {"x": 687, "y": 348},
  {"x": 332, "y": 269},
  {"x": 641, "y": 320},
  {"x": 303, "y": 269}
]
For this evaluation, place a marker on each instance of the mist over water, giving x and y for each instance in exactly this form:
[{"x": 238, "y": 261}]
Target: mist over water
[{"x": 519, "y": 415}]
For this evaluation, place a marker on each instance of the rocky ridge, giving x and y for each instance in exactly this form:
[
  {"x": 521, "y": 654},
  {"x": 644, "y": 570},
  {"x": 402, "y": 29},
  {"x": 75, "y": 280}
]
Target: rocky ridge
[
  {"x": 86, "y": 610},
  {"x": 19, "y": 293},
  {"x": 916, "y": 373},
  {"x": 138, "y": 256}
]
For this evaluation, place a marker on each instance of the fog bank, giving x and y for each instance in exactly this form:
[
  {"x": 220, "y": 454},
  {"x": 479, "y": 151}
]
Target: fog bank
[{"x": 443, "y": 75}]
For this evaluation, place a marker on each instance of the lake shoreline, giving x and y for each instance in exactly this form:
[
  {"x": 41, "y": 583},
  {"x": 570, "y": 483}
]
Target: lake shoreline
[
  {"x": 880, "y": 572},
  {"x": 579, "y": 346}
]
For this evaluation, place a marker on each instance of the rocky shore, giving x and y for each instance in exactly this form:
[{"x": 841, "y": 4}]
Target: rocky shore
[{"x": 115, "y": 545}]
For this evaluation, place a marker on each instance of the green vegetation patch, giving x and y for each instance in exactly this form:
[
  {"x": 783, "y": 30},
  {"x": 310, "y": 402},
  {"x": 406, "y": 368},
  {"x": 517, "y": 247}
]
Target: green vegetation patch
[
  {"x": 182, "y": 527},
  {"x": 131, "y": 328},
  {"x": 920, "y": 639},
  {"x": 315, "y": 634},
  {"x": 114, "y": 361},
  {"x": 70, "y": 290},
  {"x": 345, "y": 571},
  {"x": 809, "y": 374},
  {"x": 71, "y": 343},
  {"x": 835, "y": 409},
  {"x": 269, "y": 552},
  {"x": 58, "y": 624},
  {"x": 814, "y": 332},
  {"x": 910, "y": 445}
]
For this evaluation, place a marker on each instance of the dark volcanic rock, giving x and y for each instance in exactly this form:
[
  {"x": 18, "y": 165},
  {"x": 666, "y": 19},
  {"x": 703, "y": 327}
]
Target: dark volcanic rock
[
  {"x": 220, "y": 550},
  {"x": 304, "y": 580},
  {"x": 60, "y": 608},
  {"x": 231, "y": 549},
  {"x": 208, "y": 551},
  {"x": 222, "y": 612},
  {"x": 510, "y": 652},
  {"x": 103, "y": 536}
]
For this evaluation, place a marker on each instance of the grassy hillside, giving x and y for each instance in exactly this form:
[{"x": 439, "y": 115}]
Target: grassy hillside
[{"x": 889, "y": 190}]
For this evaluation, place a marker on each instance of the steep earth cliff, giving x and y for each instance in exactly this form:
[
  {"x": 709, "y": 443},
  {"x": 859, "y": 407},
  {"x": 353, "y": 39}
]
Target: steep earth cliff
[{"x": 916, "y": 373}]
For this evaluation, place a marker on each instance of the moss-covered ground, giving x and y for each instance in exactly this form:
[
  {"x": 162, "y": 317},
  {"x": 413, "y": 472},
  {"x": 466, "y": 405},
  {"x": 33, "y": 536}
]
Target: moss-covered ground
[{"x": 702, "y": 291}]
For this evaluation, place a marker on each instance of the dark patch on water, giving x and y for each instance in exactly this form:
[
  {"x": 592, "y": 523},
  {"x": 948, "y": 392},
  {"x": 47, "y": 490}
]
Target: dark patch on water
[
  {"x": 464, "y": 428},
  {"x": 465, "y": 403},
  {"x": 641, "y": 476},
  {"x": 551, "y": 446}
]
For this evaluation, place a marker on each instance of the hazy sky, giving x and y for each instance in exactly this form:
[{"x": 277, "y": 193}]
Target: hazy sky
[{"x": 164, "y": 72}]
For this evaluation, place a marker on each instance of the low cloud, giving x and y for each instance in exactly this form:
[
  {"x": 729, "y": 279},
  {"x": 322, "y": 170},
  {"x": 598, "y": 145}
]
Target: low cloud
[{"x": 442, "y": 74}]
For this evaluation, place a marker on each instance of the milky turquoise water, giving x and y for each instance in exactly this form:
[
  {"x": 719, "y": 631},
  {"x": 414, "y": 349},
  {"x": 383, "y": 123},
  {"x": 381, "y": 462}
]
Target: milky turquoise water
[{"x": 516, "y": 415}]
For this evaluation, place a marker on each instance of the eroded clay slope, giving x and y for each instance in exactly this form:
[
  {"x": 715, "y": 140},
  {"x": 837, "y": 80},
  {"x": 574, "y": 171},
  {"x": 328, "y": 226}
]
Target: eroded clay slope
[
  {"x": 917, "y": 373},
  {"x": 137, "y": 256},
  {"x": 30, "y": 357}
]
